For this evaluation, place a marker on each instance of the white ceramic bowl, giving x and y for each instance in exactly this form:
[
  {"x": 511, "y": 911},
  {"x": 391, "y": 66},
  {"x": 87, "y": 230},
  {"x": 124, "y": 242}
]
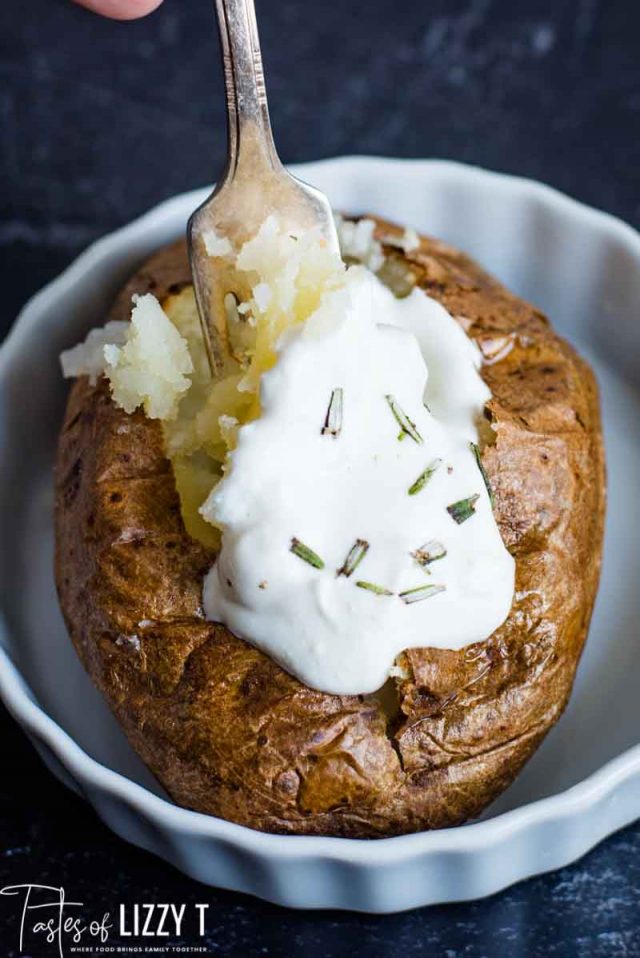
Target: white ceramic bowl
[{"x": 583, "y": 268}]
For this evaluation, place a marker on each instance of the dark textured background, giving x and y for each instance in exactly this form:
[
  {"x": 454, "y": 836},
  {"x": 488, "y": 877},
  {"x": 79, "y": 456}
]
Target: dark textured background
[{"x": 99, "y": 121}]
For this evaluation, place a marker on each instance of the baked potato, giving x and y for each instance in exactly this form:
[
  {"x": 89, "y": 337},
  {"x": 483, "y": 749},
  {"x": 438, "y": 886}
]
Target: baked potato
[{"x": 226, "y": 730}]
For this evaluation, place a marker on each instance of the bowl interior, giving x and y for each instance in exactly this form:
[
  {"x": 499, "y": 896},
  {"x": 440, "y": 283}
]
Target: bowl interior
[{"x": 580, "y": 267}]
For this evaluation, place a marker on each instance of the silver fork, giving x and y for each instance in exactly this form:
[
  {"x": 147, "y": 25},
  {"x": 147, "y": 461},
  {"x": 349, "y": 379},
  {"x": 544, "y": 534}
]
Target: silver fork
[{"x": 254, "y": 184}]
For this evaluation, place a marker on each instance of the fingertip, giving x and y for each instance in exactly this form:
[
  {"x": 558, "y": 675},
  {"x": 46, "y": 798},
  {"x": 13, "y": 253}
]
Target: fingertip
[{"x": 120, "y": 9}]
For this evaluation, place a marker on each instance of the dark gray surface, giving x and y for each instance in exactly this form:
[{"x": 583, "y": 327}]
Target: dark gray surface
[{"x": 99, "y": 121}]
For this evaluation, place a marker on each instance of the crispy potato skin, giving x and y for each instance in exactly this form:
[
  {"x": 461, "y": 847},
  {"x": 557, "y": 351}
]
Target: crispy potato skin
[{"x": 225, "y": 729}]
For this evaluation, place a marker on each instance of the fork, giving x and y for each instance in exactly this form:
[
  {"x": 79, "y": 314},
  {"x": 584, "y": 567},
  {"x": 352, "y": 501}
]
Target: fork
[{"x": 254, "y": 184}]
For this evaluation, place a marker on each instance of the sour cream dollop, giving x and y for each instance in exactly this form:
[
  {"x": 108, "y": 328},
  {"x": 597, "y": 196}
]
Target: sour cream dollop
[{"x": 392, "y": 475}]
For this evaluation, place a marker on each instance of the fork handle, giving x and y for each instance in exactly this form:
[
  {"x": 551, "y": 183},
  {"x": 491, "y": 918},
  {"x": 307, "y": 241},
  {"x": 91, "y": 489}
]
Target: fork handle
[{"x": 250, "y": 139}]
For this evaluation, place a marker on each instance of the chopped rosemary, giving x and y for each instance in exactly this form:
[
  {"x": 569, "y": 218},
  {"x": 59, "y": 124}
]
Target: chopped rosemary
[
  {"x": 420, "y": 593},
  {"x": 483, "y": 473},
  {"x": 463, "y": 509},
  {"x": 333, "y": 419},
  {"x": 356, "y": 554},
  {"x": 372, "y": 587},
  {"x": 397, "y": 276},
  {"x": 424, "y": 477},
  {"x": 406, "y": 426},
  {"x": 430, "y": 552},
  {"x": 304, "y": 552}
]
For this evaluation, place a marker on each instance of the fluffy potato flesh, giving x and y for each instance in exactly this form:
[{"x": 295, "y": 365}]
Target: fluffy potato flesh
[
  {"x": 158, "y": 360},
  {"x": 283, "y": 280},
  {"x": 153, "y": 365}
]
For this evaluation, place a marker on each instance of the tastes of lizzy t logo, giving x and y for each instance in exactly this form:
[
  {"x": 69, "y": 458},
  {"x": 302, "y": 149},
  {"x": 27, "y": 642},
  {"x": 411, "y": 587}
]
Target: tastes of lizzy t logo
[{"x": 47, "y": 915}]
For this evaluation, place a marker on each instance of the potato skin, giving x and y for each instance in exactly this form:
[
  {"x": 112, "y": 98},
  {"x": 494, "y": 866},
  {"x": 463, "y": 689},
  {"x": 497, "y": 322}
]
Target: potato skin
[{"x": 226, "y": 730}]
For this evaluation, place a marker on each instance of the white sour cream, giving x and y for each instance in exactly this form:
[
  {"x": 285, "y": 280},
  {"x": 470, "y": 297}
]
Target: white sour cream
[{"x": 289, "y": 481}]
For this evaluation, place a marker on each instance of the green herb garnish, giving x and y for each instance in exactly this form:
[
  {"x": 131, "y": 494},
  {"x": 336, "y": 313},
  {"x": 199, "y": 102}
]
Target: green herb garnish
[
  {"x": 372, "y": 587},
  {"x": 397, "y": 276},
  {"x": 424, "y": 477},
  {"x": 420, "y": 593},
  {"x": 406, "y": 426},
  {"x": 463, "y": 509},
  {"x": 356, "y": 554},
  {"x": 304, "y": 552},
  {"x": 333, "y": 419},
  {"x": 483, "y": 473},
  {"x": 430, "y": 552}
]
